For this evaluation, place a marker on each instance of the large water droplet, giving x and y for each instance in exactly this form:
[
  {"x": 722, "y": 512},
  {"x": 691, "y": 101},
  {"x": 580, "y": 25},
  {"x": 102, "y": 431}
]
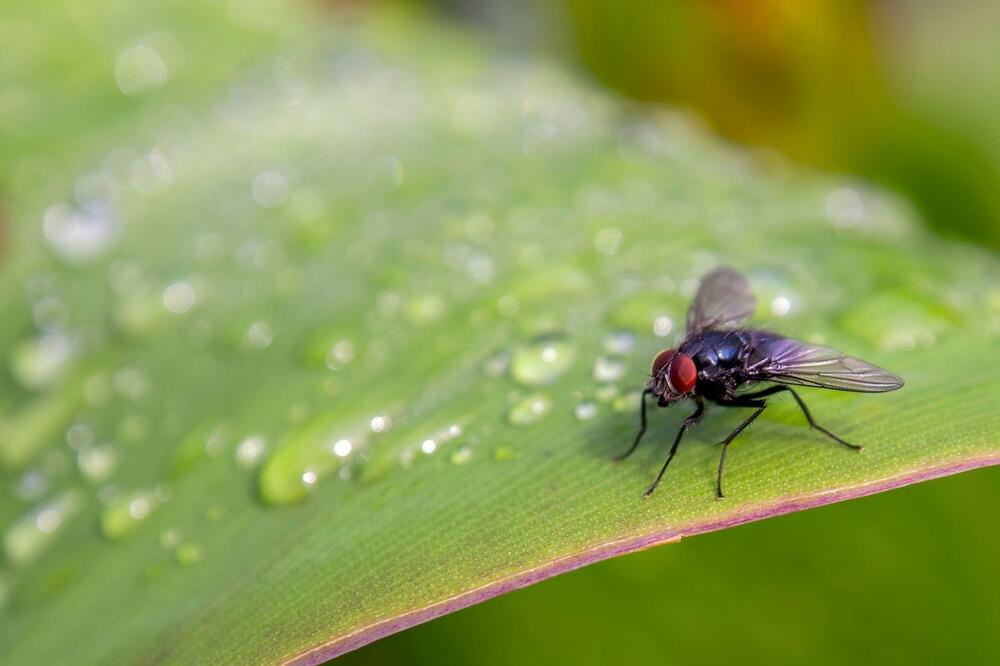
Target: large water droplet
[
  {"x": 270, "y": 188},
  {"x": 425, "y": 308},
  {"x": 40, "y": 363},
  {"x": 179, "y": 297},
  {"x": 314, "y": 451},
  {"x": 542, "y": 360},
  {"x": 531, "y": 409},
  {"x": 585, "y": 411},
  {"x": 259, "y": 335},
  {"x": 188, "y": 553},
  {"x": 79, "y": 235},
  {"x": 139, "y": 69},
  {"x": 125, "y": 513},
  {"x": 899, "y": 320},
  {"x": 30, "y": 535},
  {"x": 461, "y": 455},
  {"x": 619, "y": 343},
  {"x": 251, "y": 451},
  {"x": 608, "y": 369},
  {"x": 96, "y": 463}
]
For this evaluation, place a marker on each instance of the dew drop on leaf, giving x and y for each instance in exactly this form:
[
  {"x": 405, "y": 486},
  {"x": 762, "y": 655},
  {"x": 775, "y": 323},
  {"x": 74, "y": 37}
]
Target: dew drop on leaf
[
  {"x": 125, "y": 513},
  {"x": 530, "y": 410},
  {"x": 542, "y": 360},
  {"x": 32, "y": 533}
]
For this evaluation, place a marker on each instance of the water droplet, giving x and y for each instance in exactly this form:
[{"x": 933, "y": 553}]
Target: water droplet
[
  {"x": 845, "y": 208},
  {"x": 79, "y": 235},
  {"x": 270, "y": 188},
  {"x": 607, "y": 241},
  {"x": 461, "y": 456},
  {"x": 125, "y": 513},
  {"x": 97, "y": 463},
  {"x": 662, "y": 326},
  {"x": 49, "y": 314},
  {"x": 132, "y": 428},
  {"x": 188, "y": 553},
  {"x": 439, "y": 438},
  {"x": 628, "y": 402},
  {"x": 497, "y": 364},
  {"x": 341, "y": 353},
  {"x": 899, "y": 320},
  {"x": 781, "y": 306},
  {"x": 479, "y": 228},
  {"x": 531, "y": 409},
  {"x": 508, "y": 305},
  {"x": 179, "y": 297},
  {"x": 79, "y": 435},
  {"x": 251, "y": 451},
  {"x": 342, "y": 447},
  {"x": 608, "y": 369},
  {"x": 139, "y": 69},
  {"x": 151, "y": 173},
  {"x": 386, "y": 173},
  {"x": 132, "y": 383},
  {"x": 313, "y": 452},
  {"x": 542, "y": 360},
  {"x": 170, "y": 539},
  {"x": 426, "y": 308},
  {"x": 585, "y": 411},
  {"x": 32, "y": 485},
  {"x": 380, "y": 423},
  {"x": 31, "y": 534},
  {"x": 606, "y": 393},
  {"x": 619, "y": 343},
  {"x": 502, "y": 453},
  {"x": 41, "y": 363},
  {"x": 259, "y": 335},
  {"x": 203, "y": 442}
]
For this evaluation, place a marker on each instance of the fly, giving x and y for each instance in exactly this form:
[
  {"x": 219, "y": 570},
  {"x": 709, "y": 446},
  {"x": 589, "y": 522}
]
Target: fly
[{"x": 719, "y": 361}]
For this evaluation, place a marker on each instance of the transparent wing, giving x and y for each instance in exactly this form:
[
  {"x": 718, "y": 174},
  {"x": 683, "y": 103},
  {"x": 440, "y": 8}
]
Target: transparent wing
[
  {"x": 785, "y": 361},
  {"x": 723, "y": 299}
]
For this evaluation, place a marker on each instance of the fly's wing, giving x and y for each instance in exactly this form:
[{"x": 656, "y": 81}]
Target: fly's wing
[
  {"x": 785, "y": 361},
  {"x": 723, "y": 299}
]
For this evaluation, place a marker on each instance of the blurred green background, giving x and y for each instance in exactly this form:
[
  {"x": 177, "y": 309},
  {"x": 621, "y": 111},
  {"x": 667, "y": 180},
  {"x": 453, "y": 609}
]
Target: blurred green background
[{"x": 903, "y": 94}]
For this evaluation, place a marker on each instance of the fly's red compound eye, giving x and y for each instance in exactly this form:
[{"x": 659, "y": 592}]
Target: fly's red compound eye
[
  {"x": 683, "y": 374},
  {"x": 661, "y": 361}
]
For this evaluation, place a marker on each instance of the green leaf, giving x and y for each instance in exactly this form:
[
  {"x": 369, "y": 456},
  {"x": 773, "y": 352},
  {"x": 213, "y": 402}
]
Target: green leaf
[{"x": 355, "y": 346}]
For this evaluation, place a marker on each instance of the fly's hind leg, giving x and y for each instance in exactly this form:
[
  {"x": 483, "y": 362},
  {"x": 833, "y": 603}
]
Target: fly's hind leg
[{"x": 805, "y": 411}]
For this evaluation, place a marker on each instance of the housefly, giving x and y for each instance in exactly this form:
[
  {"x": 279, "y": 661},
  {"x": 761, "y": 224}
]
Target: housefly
[{"x": 721, "y": 361}]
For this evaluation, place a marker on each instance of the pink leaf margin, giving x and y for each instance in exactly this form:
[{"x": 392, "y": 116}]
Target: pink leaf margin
[{"x": 670, "y": 534}]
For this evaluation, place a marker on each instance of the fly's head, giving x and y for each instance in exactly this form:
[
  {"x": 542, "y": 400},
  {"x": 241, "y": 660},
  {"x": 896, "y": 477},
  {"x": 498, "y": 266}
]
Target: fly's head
[{"x": 673, "y": 376}]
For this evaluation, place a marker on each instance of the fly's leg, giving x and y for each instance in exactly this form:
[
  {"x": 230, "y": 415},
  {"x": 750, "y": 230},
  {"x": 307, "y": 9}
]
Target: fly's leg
[
  {"x": 816, "y": 426},
  {"x": 642, "y": 427},
  {"x": 689, "y": 422},
  {"x": 760, "y": 405},
  {"x": 805, "y": 411}
]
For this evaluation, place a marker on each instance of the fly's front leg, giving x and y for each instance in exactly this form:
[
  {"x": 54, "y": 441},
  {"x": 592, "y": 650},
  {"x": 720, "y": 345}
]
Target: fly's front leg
[
  {"x": 642, "y": 426},
  {"x": 689, "y": 422}
]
